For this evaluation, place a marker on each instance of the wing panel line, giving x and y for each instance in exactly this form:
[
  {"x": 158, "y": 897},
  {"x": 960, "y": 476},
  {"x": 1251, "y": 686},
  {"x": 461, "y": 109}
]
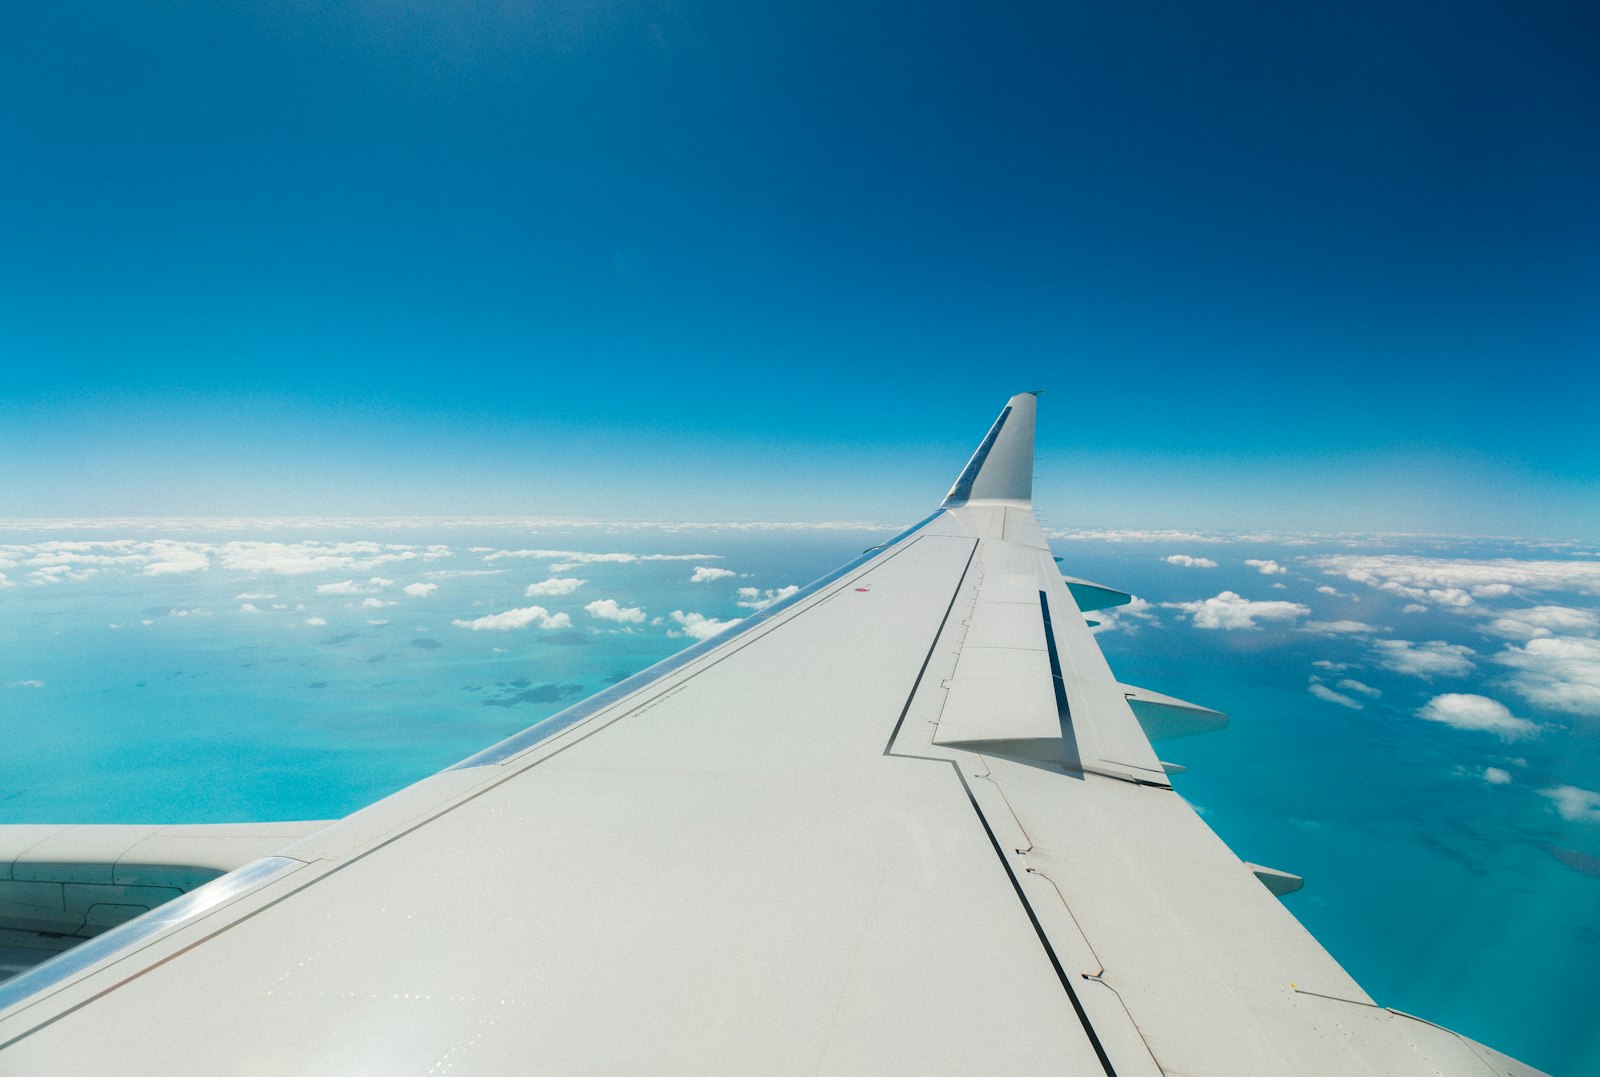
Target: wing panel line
[{"x": 562, "y": 720}]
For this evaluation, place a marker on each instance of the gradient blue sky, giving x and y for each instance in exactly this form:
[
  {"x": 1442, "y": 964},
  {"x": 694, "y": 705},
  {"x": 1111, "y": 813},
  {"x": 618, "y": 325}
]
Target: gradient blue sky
[{"x": 1274, "y": 265}]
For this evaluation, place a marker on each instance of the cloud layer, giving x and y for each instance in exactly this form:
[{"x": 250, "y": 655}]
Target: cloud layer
[
  {"x": 519, "y": 618},
  {"x": 1229, "y": 610}
]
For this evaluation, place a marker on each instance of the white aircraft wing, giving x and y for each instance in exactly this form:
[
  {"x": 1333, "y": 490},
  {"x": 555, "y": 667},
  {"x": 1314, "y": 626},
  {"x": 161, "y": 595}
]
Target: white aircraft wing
[{"x": 905, "y": 822}]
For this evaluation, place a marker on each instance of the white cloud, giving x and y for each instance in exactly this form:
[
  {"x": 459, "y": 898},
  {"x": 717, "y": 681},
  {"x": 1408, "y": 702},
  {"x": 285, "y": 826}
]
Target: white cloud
[
  {"x": 248, "y": 607},
  {"x": 1561, "y": 673},
  {"x": 1075, "y": 534},
  {"x": 419, "y": 590},
  {"x": 25, "y": 684},
  {"x": 583, "y": 557},
  {"x": 1575, "y": 805},
  {"x": 379, "y": 581},
  {"x": 377, "y": 603},
  {"x": 752, "y": 598},
  {"x": 1461, "y": 710},
  {"x": 1126, "y": 617},
  {"x": 699, "y": 626},
  {"x": 1185, "y": 561},
  {"x": 60, "y": 574},
  {"x": 1338, "y": 628},
  {"x": 706, "y": 573},
  {"x": 1268, "y": 568},
  {"x": 314, "y": 621},
  {"x": 300, "y": 558},
  {"x": 607, "y": 610},
  {"x": 173, "y": 557},
  {"x": 518, "y": 618},
  {"x": 1323, "y": 692},
  {"x": 1435, "y": 658},
  {"x": 254, "y": 598},
  {"x": 1326, "y": 590},
  {"x": 555, "y": 585},
  {"x": 1496, "y": 776},
  {"x": 343, "y": 587},
  {"x": 1231, "y": 611},
  {"x": 1336, "y": 667},
  {"x": 1367, "y": 690},
  {"x": 1544, "y": 621},
  {"x": 1455, "y": 581},
  {"x": 378, "y": 622}
]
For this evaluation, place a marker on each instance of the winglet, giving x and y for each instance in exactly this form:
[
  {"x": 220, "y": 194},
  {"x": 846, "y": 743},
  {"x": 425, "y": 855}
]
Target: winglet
[{"x": 1002, "y": 468}]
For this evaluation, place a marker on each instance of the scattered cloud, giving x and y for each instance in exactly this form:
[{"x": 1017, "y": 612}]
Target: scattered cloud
[
  {"x": 1560, "y": 673},
  {"x": 1537, "y": 621},
  {"x": 699, "y": 626},
  {"x": 172, "y": 558},
  {"x": 1232, "y": 611},
  {"x": 518, "y": 618},
  {"x": 555, "y": 585},
  {"x": 377, "y": 603},
  {"x": 1367, "y": 690},
  {"x": 1338, "y": 628},
  {"x": 316, "y": 622},
  {"x": 343, "y": 587},
  {"x": 753, "y": 598},
  {"x": 1076, "y": 534},
  {"x": 1127, "y": 617},
  {"x": 607, "y": 610},
  {"x": 1462, "y": 710},
  {"x": 1435, "y": 658},
  {"x": 1575, "y": 805},
  {"x": 1496, "y": 776},
  {"x": 301, "y": 558},
  {"x": 706, "y": 573},
  {"x": 1328, "y": 695},
  {"x": 585, "y": 557},
  {"x": 49, "y": 574},
  {"x": 1183, "y": 560},
  {"x": 25, "y": 684},
  {"x": 419, "y": 590},
  {"x": 1268, "y": 568},
  {"x": 1459, "y": 581}
]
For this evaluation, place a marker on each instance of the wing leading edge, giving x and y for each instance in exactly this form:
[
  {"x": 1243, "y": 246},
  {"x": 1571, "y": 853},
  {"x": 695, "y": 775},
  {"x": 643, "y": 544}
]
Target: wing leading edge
[{"x": 907, "y": 821}]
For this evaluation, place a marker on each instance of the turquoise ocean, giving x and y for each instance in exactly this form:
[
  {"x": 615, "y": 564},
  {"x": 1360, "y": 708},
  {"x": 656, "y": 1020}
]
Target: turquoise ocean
[{"x": 167, "y": 672}]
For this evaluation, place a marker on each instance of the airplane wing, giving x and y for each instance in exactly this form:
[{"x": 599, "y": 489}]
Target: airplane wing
[{"x": 906, "y": 821}]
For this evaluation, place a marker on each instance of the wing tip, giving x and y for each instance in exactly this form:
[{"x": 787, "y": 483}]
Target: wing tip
[{"x": 1002, "y": 467}]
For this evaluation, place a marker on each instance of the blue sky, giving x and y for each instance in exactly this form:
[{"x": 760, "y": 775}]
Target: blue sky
[{"x": 1273, "y": 267}]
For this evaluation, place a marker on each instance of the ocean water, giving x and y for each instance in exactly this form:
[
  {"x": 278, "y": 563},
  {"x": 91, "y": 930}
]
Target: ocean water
[{"x": 180, "y": 673}]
